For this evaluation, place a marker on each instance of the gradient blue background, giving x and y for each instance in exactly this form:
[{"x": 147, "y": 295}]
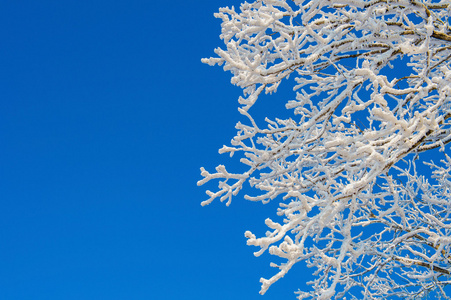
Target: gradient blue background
[{"x": 106, "y": 115}]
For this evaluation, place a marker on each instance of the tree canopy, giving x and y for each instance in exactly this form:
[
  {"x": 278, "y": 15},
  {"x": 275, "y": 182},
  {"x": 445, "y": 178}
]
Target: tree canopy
[{"x": 372, "y": 99}]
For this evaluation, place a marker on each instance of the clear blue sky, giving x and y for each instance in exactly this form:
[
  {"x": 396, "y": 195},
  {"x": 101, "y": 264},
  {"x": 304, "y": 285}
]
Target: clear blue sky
[{"x": 106, "y": 115}]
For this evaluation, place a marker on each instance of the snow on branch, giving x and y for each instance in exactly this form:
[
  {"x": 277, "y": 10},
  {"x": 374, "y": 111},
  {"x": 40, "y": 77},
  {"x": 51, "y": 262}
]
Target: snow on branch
[{"x": 373, "y": 90}]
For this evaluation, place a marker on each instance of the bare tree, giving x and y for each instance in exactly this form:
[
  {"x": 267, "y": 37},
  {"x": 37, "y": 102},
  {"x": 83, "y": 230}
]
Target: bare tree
[{"x": 373, "y": 91}]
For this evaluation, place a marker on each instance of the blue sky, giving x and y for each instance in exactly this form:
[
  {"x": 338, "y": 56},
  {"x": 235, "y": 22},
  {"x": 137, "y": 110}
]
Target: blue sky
[{"x": 106, "y": 115}]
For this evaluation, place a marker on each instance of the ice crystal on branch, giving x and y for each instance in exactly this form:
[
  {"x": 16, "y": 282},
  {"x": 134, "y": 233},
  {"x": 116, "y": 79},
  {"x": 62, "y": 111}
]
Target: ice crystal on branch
[{"x": 373, "y": 91}]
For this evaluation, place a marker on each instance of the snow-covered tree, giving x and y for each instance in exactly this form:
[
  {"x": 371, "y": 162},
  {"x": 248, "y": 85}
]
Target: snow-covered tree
[{"x": 359, "y": 201}]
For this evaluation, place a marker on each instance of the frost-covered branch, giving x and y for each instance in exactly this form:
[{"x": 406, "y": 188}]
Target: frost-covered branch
[{"x": 373, "y": 85}]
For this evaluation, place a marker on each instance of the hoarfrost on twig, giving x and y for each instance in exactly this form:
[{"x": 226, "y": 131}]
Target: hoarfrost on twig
[{"x": 373, "y": 86}]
